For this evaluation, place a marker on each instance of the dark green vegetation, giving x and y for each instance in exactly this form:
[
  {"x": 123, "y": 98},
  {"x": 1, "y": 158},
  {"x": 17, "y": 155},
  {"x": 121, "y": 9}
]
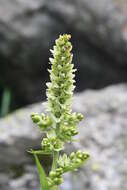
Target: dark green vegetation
[
  {"x": 5, "y": 100},
  {"x": 8, "y": 101}
]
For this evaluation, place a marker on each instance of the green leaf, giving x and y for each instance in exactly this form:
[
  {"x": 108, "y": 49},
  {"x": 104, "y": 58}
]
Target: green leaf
[
  {"x": 43, "y": 178},
  {"x": 39, "y": 152},
  {"x": 6, "y": 99}
]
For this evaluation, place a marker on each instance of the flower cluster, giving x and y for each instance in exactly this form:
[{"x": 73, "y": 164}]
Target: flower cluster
[
  {"x": 68, "y": 126},
  {"x": 43, "y": 121},
  {"x": 55, "y": 177},
  {"x": 60, "y": 89},
  {"x": 72, "y": 162},
  {"x": 67, "y": 164},
  {"x": 60, "y": 123}
]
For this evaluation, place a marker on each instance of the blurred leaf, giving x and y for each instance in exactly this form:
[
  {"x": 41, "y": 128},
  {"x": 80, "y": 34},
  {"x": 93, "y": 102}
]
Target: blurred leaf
[
  {"x": 43, "y": 178},
  {"x": 39, "y": 152},
  {"x": 6, "y": 98}
]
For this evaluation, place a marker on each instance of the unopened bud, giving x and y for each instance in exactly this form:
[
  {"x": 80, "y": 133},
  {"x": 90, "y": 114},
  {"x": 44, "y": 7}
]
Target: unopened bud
[
  {"x": 85, "y": 155},
  {"x": 42, "y": 124},
  {"x": 52, "y": 174},
  {"x": 79, "y": 116},
  {"x": 58, "y": 181},
  {"x": 35, "y": 118},
  {"x": 74, "y": 132},
  {"x": 42, "y": 115},
  {"x": 59, "y": 171},
  {"x": 72, "y": 155},
  {"x": 78, "y": 152},
  {"x": 49, "y": 122},
  {"x": 78, "y": 161}
]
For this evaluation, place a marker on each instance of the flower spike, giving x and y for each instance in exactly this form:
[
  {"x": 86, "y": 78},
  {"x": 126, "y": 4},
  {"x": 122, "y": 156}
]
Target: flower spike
[{"x": 60, "y": 123}]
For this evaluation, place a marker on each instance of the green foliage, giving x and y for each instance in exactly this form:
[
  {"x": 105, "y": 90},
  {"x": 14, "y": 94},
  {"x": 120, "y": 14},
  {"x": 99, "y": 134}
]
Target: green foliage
[
  {"x": 60, "y": 123},
  {"x": 5, "y": 103},
  {"x": 43, "y": 178}
]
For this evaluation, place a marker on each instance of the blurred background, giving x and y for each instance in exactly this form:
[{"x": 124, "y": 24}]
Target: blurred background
[{"x": 28, "y": 30}]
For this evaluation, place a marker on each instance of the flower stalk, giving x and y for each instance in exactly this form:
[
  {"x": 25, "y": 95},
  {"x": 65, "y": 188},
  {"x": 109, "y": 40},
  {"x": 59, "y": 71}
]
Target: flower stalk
[
  {"x": 55, "y": 158},
  {"x": 60, "y": 123}
]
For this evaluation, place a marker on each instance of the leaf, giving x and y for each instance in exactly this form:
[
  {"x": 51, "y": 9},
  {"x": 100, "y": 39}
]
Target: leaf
[
  {"x": 74, "y": 140},
  {"x": 43, "y": 178},
  {"x": 39, "y": 152}
]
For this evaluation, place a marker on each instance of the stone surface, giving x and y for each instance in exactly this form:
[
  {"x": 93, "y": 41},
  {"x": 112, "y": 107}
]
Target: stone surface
[
  {"x": 16, "y": 137},
  {"x": 102, "y": 133},
  {"x": 28, "y": 30}
]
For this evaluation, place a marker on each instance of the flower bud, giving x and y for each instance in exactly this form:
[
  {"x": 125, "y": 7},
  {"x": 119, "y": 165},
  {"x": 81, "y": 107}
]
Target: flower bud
[
  {"x": 58, "y": 181},
  {"x": 42, "y": 115},
  {"x": 36, "y": 118},
  {"x": 52, "y": 174},
  {"x": 42, "y": 124},
  {"x": 49, "y": 122},
  {"x": 59, "y": 67},
  {"x": 68, "y": 133},
  {"x": 79, "y": 154},
  {"x": 72, "y": 155},
  {"x": 44, "y": 141},
  {"x": 78, "y": 161},
  {"x": 50, "y": 183},
  {"x": 59, "y": 171},
  {"x": 74, "y": 132},
  {"x": 33, "y": 114},
  {"x": 85, "y": 155},
  {"x": 79, "y": 116}
]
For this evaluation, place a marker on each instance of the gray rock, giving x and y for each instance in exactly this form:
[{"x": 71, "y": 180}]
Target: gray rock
[
  {"x": 16, "y": 137},
  {"x": 102, "y": 133},
  {"x": 28, "y": 30},
  {"x": 105, "y": 137}
]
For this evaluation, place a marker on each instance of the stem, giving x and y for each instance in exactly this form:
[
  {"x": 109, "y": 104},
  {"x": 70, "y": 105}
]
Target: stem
[
  {"x": 54, "y": 164},
  {"x": 55, "y": 188},
  {"x": 55, "y": 153},
  {"x": 55, "y": 158}
]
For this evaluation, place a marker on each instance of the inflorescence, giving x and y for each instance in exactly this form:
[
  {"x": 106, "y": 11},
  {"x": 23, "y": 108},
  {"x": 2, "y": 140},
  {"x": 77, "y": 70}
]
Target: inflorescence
[{"x": 60, "y": 123}]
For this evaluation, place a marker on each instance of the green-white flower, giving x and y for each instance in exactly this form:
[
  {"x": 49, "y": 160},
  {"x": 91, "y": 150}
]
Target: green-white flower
[
  {"x": 60, "y": 123},
  {"x": 60, "y": 89}
]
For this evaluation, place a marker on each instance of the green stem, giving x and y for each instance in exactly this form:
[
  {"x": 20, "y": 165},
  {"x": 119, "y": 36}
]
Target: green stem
[
  {"x": 55, "y": 188},
  {"x": 55, "y": 153},
  {"x": 54, "y": 164},
  {"x": 55, "y": 159}
]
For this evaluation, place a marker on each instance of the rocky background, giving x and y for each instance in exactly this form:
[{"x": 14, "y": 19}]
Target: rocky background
[
  {"x": 28, "y": 30},
  {"x": 102, "y": 133},
  {"x": 99, "y": 37}
]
